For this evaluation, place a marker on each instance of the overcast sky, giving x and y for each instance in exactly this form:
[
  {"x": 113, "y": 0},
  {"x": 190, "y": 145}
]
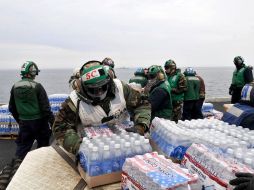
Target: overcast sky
[{"x": 67, "y": 33}]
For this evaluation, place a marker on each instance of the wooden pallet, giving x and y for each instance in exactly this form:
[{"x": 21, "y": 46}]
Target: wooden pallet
[{"x": 8, "y": 136}]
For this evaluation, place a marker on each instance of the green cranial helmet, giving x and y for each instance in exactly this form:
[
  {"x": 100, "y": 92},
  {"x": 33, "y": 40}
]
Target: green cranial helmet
[
  {"x": 95, "y": 81},
  {"x": 156, "y": 71},
  {"x": 238, "y": 60},
  {"x": 189, "y": 71},
  {"x": 29, "y": 68},
  {"x": 89, "y": 64},
  {"x": 170, "y": 66},
  {"x": 170, "y": 63},
  {"x": 139, "y": 72}
]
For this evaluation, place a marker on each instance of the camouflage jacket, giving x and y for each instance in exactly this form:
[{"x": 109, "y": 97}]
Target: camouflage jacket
[{"x": 67, "y": 119}]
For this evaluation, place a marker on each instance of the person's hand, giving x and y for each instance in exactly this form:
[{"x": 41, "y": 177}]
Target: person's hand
[
  {"x": 140, "y": 129},
  {"x": 244, "y": 181},
  {"x": 230, "y": 91},
  {"x": 71, "y": 141}
]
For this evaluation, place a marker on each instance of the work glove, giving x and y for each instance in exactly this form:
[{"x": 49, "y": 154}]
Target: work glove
[
  {"x": 140, "y": 129},
  {"x": 244, "y": 181},
  {"x": 71, "y": 141},
  {"x": 230, "y": 91}
]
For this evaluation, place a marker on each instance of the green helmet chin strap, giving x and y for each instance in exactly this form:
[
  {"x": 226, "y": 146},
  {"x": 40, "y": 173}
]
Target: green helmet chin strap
[{"x": 29, "y": 67}]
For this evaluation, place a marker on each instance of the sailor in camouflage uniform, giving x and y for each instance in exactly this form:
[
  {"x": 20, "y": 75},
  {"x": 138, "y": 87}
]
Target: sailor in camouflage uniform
[
  {"x": 100, "y": 99},
  {"x": 178, "y": 85}
]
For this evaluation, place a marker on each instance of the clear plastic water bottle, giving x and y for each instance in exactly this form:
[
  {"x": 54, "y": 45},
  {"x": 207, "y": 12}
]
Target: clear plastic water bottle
[
  {"x": 128, "y": 150},
  {"x": 117, "y": 159},
  {"x": 238, "y": 154},
  {"x": 106, "y": 160},
  {"x": 137, "y": 148},
  {"x": 94, "y": 163},
  {"x": 248, "y": 161},
  {"x": 146, "y": 146},
  {"x": 229, "y": 153}
]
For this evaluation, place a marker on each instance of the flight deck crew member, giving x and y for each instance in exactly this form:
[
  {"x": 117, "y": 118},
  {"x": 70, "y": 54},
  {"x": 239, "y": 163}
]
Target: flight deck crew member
[
  {"x": 159, "y": 93},
  {"x": 241, "y": 76},
  {"x": 191, "y": 96},
  {"x": 100, "y": 100},
  {"x": 178, "y": 85},
  {"x": 30, "y": 107}
]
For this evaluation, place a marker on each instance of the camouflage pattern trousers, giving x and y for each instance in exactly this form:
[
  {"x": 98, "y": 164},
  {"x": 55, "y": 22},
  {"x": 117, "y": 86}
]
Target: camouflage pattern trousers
[{"x": 177, "y": 110}]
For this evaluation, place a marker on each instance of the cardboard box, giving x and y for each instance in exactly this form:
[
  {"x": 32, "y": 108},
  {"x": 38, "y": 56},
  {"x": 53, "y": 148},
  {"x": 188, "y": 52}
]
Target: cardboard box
[{"x": 94, "y": 181}]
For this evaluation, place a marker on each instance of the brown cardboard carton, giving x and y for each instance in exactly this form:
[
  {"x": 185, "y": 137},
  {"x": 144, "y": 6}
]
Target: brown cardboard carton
[{"x": 94, "y": 181}]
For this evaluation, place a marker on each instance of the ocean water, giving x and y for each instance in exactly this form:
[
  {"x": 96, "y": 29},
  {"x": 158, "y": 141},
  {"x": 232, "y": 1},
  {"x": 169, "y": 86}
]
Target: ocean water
[{"x": 217, "y": 80}]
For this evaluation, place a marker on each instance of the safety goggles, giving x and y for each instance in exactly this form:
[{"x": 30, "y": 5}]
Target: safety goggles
[
  {"x": 166, "y": 67},
  {"x": 151, "y": 75}
]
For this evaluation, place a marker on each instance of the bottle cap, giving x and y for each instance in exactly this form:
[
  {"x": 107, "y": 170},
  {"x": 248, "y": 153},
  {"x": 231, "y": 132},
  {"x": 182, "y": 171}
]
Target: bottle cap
[
  {"x": 230, "y": 151},
  {"x": 106, "y": 147},
  {"x": 127, "y": 144},
  {"x": 137, "y": 143}
]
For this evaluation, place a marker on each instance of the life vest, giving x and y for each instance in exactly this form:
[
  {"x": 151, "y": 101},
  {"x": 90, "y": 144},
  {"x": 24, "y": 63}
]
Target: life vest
[
  {"x": 166, "y": 112},
  {"x": 173, "y": 81},
  {"x": 237, "y": 113},
  {"x": 26, "y": 100},
  {"x": 193, "y": 87},
  {"x": 238, "y": 77},
  {"x": 94, "y": 115}
]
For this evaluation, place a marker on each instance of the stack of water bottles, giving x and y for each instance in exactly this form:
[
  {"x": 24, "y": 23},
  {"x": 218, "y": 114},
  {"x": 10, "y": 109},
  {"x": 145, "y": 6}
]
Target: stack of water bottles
[
  {"x": 55, "y": 101},
  {"x": 155, "y": 172},
  {"x": 174, "y": 139},
  {"x": 104, "y": 129},
  {"x": 106, "y": 155},
  {"x": 214, "y": 169},
  {"x": 208, "y": 111},
  {"x": 169, "y": 138},
  {"x": 8, "y": 125},
  {"x": 207, "y": 107},
  {"x": 223, "y": 147},
  {"x": 92, "y": 132}
]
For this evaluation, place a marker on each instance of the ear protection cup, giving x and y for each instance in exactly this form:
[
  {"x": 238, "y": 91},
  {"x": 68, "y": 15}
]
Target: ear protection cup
[{"x": 161, "y": 76}]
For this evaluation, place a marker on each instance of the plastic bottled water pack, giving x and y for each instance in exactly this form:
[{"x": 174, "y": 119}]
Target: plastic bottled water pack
[
  {"x": 224, "y": 150},
  {"x": 215, "y": 170},
  {"x": 8, "y": 125},
  {"x": 228, "y": 140},
  {"x": 55, "y": 101},
  {"x": 104, "y": 129},
  {"x": 106, "y": 154},
  {"x": 154, "y": 172}
]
